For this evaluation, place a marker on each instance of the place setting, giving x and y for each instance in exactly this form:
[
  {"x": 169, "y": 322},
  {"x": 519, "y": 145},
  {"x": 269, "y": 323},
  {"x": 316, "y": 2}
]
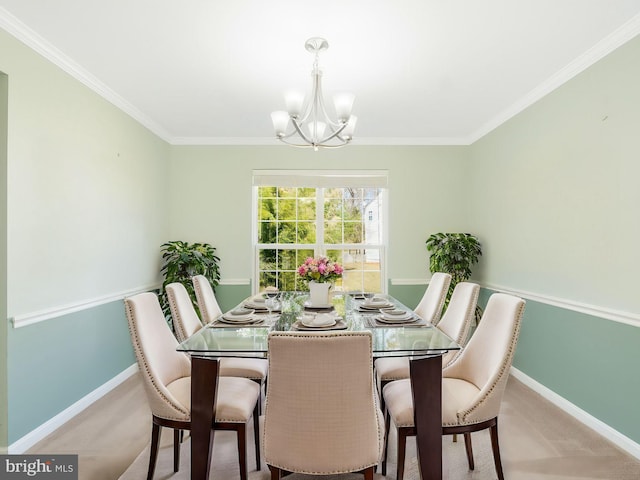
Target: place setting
[
  {"x": 374, "y": 305},
  {"x": 396, "y": 317},
  {"x": 310, "y": 321},
  {"x": 239, "y": 317}
]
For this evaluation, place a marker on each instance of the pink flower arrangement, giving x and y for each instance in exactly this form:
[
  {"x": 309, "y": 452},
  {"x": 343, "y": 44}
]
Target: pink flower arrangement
[{"x": 320, "y": 269}]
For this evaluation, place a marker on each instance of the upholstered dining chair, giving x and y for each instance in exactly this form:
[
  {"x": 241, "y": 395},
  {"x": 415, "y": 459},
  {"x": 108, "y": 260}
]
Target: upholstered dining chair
[
  {"x": 166, "y": 375},
  {"x": 455, "y": 323},
  {"x": 252, "y": 368},
  {"x": 321, "y": 413},
  {"x": 472, "y": 385},
  {"x": 430, "y": 306}
]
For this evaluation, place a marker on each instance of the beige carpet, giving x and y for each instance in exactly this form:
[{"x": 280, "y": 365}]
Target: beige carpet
[
  {"x": 537, "y": 441},
  {"x": 224, "y": 464}
]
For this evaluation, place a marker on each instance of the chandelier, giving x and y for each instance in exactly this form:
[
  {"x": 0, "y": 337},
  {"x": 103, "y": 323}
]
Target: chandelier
[{"x": 311, "y": 122}]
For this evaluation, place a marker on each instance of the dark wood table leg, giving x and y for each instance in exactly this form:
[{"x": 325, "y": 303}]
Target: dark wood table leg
[
  {"x": 426, "y": 385},
  {"x": 204, "y": 385}
]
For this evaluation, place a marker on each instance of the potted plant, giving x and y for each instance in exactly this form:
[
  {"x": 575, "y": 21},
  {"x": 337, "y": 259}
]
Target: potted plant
[
  {"x": 454, "y": 253},
  {"x": 181, "y": 261}
]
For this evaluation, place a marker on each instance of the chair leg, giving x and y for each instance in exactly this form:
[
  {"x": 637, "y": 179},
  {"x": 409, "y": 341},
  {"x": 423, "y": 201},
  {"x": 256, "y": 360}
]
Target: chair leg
[
  {"x": 176, "y": 449},
  {"x": 242, "y": 450},
  {"x": 368, "y": 473},
  {"x": 387, "y": 426},
  {"x": 275, "y": 473},
  {"x": 156, "y": 431},
  {"x": 256, "y": 433},
  {"x": 469, "y": 448},
  {"x": 493, "y": 431},
  {"x": 402, "y": 444}
]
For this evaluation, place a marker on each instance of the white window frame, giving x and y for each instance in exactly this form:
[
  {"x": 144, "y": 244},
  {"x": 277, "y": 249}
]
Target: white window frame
[{"x": 320, "y": 179}]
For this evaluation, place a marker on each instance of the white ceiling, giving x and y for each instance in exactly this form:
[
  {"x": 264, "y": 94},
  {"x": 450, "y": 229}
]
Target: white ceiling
[{"x": 423, "y": 71}]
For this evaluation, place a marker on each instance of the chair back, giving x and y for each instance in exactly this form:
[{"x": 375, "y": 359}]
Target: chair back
[
  {"x": 487, "y": 358},
  {"x": 457, "y": 318},
  {"x": 185, "y": 318},
  {"x": 430, "y": 306},
  {"x": 321, "y": 412},
  {"x": 459, "y": 314},
  {"x": 155, "y": 349},
  {"x": 206, "y": 298}
]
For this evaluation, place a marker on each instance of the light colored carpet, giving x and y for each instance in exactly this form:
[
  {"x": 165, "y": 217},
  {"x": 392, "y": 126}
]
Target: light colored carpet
[
  {"x": 224, "y": 465},
  {"x": 537, "y": 441}
]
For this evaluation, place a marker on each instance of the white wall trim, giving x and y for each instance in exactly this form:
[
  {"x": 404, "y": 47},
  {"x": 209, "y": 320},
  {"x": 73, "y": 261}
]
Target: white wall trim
[
  {"x": 619, "y": 316},
  {"x": 409, "y": 281},
  {"x": 23, "y": 444},
  {"x": 628, "y": 318},
  {"x": 27, "y": 36},
  {"x": 619, "y": 37},
  {"x": 54, "y": 312},
  {"x": 611, "y": 434},
  {"x": 235, "y": 281}
]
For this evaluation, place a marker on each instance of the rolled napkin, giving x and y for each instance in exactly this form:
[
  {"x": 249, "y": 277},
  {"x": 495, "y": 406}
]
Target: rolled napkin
[{"x": 375, "y": 301}]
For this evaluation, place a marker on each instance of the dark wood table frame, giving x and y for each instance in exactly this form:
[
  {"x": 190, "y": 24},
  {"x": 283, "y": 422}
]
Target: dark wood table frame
[{"x": 426, "y": 383}]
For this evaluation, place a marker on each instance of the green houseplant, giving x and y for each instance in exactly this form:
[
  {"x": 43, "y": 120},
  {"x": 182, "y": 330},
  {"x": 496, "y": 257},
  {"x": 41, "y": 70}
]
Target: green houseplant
[
  {"x": 181, "y": 261},
  {"x": 454, "y": 253}
]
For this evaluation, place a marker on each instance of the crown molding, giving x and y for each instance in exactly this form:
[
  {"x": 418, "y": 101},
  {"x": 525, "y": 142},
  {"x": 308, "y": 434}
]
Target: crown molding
[
  {"x": 619, "y": 37},
  {"x": 34, "y": 41}
]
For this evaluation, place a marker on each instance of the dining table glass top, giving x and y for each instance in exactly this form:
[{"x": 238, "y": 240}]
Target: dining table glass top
[{"x": 413, "y": 338}]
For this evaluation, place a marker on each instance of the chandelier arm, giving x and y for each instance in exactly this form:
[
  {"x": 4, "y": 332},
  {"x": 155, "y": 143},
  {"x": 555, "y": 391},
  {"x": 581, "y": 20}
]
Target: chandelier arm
[
  {"x": 335, "y": 134},
  {"x": 305, "y": 145},
  {"x": 299, "y": 130}
]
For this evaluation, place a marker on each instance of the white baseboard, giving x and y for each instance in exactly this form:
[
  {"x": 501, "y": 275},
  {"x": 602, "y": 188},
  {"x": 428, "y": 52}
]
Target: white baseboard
[
  {"x": 614, "y": 436},
  {"x": 22, "y": 445}
]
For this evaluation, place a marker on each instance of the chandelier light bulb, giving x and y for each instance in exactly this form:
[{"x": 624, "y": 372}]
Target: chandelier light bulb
[
  {"x": 344, "y": 103},
  {"x": 308, "y": 122}
]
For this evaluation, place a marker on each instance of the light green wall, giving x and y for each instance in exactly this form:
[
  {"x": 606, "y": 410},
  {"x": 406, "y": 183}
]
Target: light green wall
[
  {"x": 4, "y": 412},
  {"x": 86, "y": 216},
  {"x": 211, "y": 197},
  {"x": 556, "y": 192},
  {"x": 556, "y": 200}
]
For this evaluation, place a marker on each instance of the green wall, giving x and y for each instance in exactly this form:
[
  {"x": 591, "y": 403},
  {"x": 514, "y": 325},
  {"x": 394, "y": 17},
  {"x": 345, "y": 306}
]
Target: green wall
[
  {"x": 211, "y": 196},
  {"x": 4, "y": 408},
  {"x": 86, "y": 189},
  {"x": 555, "y": 205},
  {"x": 59, "y": 361}
]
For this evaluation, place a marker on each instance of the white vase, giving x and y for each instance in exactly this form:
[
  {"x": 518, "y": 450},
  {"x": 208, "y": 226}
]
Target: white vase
[{"x": 319, "y": 294}]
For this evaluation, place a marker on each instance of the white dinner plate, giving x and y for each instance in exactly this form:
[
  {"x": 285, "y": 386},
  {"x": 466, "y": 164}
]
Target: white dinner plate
[
  {"x": 308, "y": 323},
  {"x": 237, "y": 319},
  {"x": 399, "y": 318},
  {"x": 382, "y": 319}
]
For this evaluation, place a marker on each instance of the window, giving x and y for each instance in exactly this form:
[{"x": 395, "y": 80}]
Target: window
[{"x": 304, "y": 214}]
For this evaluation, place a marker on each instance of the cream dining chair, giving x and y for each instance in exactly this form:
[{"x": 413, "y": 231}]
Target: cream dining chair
[
  {"x": 455, "y": 323},
  {"x": 472, "y": 385},
  {"x": 252, "y": 368},
  {"x": 166, "y": 374},
  {"x": 321, "y": 413},
  {"x": 430, "y": 306}
]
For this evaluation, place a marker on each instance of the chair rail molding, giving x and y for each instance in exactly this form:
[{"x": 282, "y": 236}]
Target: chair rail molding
[
  {"x": 40, "y": 316},
  {"x": 606, "y": 313},
  {"x": 628, "y": 318}
]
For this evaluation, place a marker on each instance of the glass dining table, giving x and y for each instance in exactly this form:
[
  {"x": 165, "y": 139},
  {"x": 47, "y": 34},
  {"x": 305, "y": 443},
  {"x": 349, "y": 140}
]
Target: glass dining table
[{"x": 419, "y": 340}]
